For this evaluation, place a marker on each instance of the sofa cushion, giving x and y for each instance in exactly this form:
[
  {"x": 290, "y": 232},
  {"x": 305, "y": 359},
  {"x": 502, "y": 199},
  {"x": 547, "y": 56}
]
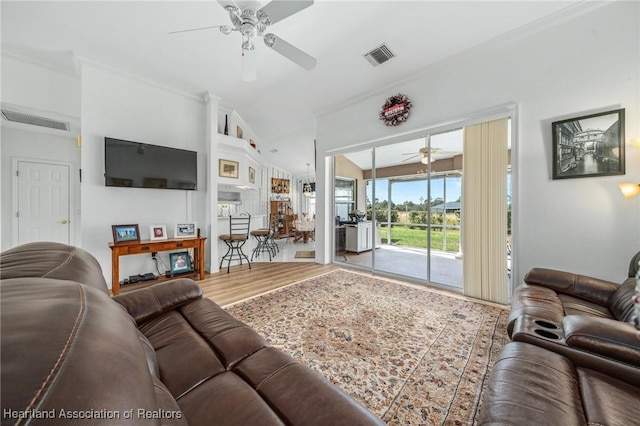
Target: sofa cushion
[
  {"x": 608, "y": 401},
  {"x": 532, "y": 386},
  {"x": 577, "y": 306},
  {"x": 634, "y": 265},
  {"x": 621, "y": 304},
  {"x": 52, "y": 260},
  {"x": 81, "y": 350}
]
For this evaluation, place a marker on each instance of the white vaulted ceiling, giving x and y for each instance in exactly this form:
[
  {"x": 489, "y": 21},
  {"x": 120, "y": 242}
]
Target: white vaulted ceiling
[{"x": 281, "y": 105}]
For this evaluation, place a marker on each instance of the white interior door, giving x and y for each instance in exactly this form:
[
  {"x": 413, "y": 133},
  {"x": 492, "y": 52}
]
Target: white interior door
[{"x": 43, "y": 202}]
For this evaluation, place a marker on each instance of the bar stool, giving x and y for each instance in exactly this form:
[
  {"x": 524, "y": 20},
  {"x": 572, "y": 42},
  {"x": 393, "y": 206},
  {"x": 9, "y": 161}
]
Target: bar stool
[
  {"x": 266, "y": 242},
  {"x": 235, "y": 239}
]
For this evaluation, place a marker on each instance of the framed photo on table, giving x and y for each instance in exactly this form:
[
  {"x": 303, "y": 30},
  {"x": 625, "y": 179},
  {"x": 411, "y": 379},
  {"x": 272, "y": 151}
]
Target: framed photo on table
[
  {"x": 180, "y": 262},
  {"x": 158, "y": 232},
  {"x": 125, "y": 233},
  {"x": 186, "y": 230},
  {"x": 590, "y": 145}
]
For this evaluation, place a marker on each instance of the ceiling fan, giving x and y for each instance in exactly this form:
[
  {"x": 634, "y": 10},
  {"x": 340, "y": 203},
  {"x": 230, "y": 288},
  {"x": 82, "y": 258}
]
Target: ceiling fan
[
  {"x": 426, "y": 152},
  {"x": 251, "y": 22}
]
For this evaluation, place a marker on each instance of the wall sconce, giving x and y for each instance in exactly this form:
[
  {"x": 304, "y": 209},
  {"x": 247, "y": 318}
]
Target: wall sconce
[{"x": 630, "y": 189}]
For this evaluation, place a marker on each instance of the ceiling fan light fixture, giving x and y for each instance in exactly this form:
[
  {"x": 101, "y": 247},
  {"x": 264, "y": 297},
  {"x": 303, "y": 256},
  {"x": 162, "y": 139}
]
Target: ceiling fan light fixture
[
  {"x": 425, "y": 159},
  {"x": 269, "y": 39},
  {"x": 247, "y": 44},
  {"x": 263, "y": 18},
  {"x": 225, "y": 29},
  {"x": 233, "y": 10},
  {"x": 248, "y": 29}
]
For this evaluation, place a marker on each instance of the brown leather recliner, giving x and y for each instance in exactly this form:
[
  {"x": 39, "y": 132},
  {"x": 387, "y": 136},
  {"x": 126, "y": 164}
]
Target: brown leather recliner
[
  {"x": 586, "y": 319},
  {"x": 550, "y": 295},
  {"x": 530, "y": 385},
  {"x": 161, "y": 355}
]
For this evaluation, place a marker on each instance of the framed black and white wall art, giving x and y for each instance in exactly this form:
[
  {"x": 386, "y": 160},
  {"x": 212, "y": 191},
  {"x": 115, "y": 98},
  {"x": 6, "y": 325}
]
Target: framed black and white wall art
[{"x": 591, "y": 145}]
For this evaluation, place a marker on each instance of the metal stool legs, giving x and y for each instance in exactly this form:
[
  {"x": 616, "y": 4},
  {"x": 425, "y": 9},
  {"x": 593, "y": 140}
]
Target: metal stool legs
[{"x": 234, "y": 252}]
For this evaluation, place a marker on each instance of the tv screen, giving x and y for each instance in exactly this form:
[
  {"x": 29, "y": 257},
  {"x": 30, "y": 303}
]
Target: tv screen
[{"x": 141, "y": 165}]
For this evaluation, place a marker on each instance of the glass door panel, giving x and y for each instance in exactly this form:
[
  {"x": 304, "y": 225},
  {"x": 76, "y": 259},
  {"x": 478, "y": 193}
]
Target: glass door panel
[
  {"x": 445, "y": 195},
  {"x": 353, "y": 231}
]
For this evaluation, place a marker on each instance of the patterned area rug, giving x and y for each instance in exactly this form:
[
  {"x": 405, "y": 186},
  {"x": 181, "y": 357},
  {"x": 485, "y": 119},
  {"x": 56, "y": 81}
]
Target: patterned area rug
[{"x": 413, "y": 356}]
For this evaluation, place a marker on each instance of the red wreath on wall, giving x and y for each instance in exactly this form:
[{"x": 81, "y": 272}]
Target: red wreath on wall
[{"x": 395, "y": 110}]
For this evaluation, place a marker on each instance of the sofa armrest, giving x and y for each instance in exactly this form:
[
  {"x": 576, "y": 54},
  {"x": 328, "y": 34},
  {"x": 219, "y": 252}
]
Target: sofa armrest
[
  {"x": 588, "y": 288},
  {"x": 604, "y": 337},
  {"x": 149, "y": 302}
]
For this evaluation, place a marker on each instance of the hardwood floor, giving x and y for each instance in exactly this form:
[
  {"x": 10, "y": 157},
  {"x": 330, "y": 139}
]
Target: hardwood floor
[{"x": 242, "y": 282}]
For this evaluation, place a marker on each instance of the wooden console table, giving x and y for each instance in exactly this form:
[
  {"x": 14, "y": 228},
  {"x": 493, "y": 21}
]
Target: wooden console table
[{"x": 142, "y": 247}]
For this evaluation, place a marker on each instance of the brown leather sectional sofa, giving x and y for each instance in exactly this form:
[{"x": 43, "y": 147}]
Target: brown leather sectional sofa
[
  {"x": 161, "y": 355},
  {"x": 575, "y": 356}
]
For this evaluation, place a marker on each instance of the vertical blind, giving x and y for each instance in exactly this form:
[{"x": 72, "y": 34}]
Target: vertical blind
[{"x": 484, "y": 211}]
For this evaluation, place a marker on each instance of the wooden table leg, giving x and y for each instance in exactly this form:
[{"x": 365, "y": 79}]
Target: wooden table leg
[{"x": 115, "y": 272}]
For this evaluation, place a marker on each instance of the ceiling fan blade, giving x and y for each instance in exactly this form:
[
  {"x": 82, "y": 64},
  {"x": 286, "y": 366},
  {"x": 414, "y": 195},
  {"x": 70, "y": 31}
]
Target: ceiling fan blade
[
  {"x": 411, "y": 158},
  {"x": 249, "y": 69},
  {"x": 290, "y": 52},
  {"x": 195, "y": 29},
  {"x": 277, "y": 10},
  {"x": 225, "y": 3}
]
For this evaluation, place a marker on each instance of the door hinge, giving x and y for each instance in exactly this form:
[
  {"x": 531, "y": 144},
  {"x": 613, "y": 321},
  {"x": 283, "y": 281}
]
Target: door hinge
[
  {"x": 17, "y": 172},
  {"x": 17, "y": 214}
]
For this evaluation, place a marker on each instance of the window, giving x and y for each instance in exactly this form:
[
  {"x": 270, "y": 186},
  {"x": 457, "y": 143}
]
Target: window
[{"x": 345, "y": 197}]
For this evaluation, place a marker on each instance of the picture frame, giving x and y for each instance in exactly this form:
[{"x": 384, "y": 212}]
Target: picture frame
[
  {"x": 279, "y": 186},
  {"x": 228, "y": 169},
  {"x": 158, "y": 232},
  {"x": 589, "y": 145},
  {"x": 180, "y": 262},
  {"x": 125, "y": 233},
  {"x": 239, "y": 132},
  {"x": 252, "y": 175},
  {"x": 186, "y": 230}
]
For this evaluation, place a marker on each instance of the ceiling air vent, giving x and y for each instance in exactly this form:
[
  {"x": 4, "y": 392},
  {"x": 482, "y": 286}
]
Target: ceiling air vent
[
  {"x": 379, "y": 55},
  {"x": 34, "y": 120}
]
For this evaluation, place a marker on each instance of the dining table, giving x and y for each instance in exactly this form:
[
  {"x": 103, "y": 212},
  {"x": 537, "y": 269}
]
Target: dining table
[{"x": 304, "y": 229}]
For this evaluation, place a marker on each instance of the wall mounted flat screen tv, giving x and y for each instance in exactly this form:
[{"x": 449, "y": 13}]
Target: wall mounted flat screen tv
[{"x": 141, "y": 165}]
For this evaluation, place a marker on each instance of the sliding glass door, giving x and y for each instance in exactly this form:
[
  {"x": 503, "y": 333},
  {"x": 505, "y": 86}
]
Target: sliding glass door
[{"x": 408, "y": 206}]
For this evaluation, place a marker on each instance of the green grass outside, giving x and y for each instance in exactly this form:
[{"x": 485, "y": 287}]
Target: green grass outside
[{"x": 405, "y": 236}]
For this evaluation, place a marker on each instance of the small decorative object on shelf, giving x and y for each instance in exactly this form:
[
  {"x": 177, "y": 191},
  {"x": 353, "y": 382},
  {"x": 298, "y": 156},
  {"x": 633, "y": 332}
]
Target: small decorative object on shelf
[
  {"x": 252, "y": 143},
  {"x": 226, "y": 124},
  {"x": 395, "y": 110},
  {"x": 239, "y": 132}
]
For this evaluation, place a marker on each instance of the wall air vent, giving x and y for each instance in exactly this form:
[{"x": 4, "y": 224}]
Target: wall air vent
[
  {"x": 379, "y": 55},
  {"x": 34, "y": 120}
]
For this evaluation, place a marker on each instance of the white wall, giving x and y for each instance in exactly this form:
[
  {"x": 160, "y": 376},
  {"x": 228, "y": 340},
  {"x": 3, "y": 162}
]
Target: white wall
[
  {"x": 118, "y": 106},
  {"x": 52, "y": 92},
  {"x": 36, "y": 146},
  {"x": 585, "y": 64}
]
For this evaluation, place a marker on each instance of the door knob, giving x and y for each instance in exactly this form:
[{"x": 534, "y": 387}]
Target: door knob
[{"x": 64, "y": 221}]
